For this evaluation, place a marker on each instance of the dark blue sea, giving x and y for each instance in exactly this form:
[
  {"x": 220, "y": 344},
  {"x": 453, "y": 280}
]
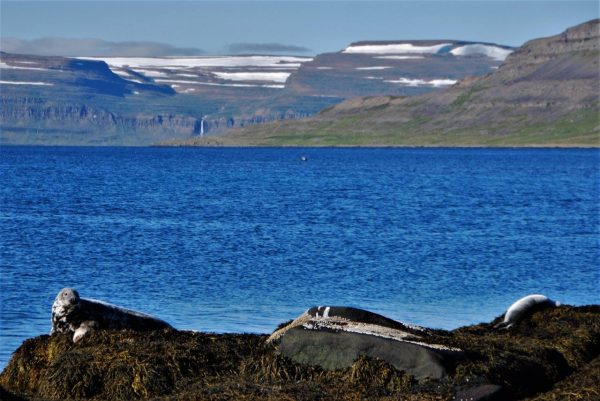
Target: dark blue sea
[{"x": 239, "y": 240}]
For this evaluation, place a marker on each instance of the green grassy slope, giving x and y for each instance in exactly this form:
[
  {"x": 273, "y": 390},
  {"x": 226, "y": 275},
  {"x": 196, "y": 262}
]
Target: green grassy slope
[
  {"x": 547, "y": 93},
  {"x": 579, "y": 129}
]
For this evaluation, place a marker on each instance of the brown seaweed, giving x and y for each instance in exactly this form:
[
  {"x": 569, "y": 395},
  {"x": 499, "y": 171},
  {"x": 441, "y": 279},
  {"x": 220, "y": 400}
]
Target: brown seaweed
[{"x": 552, "y": 355}]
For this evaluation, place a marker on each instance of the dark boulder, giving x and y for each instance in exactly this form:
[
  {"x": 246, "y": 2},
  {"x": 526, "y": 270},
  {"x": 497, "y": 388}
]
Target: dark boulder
[
  {"x": 334, "y": 337},
  {"x": 339, "y": 349}
]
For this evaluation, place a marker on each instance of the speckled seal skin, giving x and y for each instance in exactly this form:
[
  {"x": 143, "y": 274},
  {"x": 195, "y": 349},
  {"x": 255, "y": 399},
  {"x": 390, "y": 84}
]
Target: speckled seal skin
[
  {"x": 73, "y": 314},
  {"x": 523, "y": 307}
]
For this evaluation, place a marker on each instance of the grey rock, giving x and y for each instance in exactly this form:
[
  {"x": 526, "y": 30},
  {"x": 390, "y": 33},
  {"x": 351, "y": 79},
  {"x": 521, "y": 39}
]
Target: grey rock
[
  {"x": 336, "y": 350},
  {"x": 485, "y": 392},
  {"x": 334, "y": 337}
]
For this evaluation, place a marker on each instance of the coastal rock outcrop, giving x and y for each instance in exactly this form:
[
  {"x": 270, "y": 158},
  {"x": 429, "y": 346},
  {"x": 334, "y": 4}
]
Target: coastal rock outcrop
[
  {"x": 334, "y": 337},
  {"x": 143, "y": 101},
  {"x": 546, "y": 93},
  {"x": 552, "y": 354}
]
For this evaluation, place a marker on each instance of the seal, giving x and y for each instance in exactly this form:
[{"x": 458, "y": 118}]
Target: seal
[
  {"x": 73, "y": 314},
  {"x": 524, "y": 307},
  {"x": 346, "y": 314},
  {"x": 333, "y": 337}
]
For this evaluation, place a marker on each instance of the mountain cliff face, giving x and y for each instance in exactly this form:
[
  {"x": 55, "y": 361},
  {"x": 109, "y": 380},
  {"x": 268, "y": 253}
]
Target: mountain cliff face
[
  {"x": 396, "y": 68},
  {"x": 545, "y": 93},
  {"x": 139, "y": 101}
]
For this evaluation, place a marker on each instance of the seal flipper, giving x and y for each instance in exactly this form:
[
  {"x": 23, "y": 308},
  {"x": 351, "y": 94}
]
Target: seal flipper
[
  {"x": 503, "y": 325},
  {"x": 83, "y": 329}
]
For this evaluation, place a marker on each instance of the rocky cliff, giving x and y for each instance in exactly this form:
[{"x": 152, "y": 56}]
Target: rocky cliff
[
  {"x": 139, "y": 101},
  {"x": 551, "y": 355},
  {"x": 547, "y": 93}
]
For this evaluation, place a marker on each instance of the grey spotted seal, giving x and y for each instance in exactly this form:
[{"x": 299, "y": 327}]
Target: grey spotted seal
[
  {"x": 524, "y": 306},
  {"x": 73, "y": 314}
]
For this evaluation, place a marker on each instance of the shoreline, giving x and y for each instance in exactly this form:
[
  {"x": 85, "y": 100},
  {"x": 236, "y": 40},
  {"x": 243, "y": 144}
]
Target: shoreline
[
  {"x": 291, "y": 146},
  {"x": 555, "y": 351}
]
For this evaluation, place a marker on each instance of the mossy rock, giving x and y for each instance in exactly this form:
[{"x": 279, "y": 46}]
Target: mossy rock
[{"x": 544, "y": 354}]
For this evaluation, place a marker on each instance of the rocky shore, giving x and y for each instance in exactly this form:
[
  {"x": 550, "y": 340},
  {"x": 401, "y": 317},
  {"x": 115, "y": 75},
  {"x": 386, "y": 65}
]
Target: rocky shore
[{"x": 554, "y": 354}]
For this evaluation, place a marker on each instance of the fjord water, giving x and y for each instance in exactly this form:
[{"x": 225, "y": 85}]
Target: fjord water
[{"x": 239, "y": 240}]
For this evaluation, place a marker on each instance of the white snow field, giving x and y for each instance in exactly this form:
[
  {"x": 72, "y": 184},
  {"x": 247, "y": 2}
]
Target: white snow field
[
  {"x": 399, "y": 48},
  {"x": 495, "y": 52},
  {"x": 170, "y": 81},
  {"x": 400, "y": 57},
  {"x": 419, "y": 82},
  {"x": 279, "y": 77},
  {"x": 194, "y": 62},
  {"x": 372, "y": 68},
  {"x": 241, "y": 71},
  {"x": 14, "y": 67},
  {"x": 395, "y": 51},
  {"x": 25, "y": 83}
]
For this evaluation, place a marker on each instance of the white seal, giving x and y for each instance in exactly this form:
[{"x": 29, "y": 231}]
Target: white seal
[
  {"x": 73, "y": 314},
  {"x": 522, "y": 307}
]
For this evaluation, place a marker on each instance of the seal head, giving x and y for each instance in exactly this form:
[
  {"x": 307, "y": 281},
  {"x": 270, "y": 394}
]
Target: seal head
[{"x": 65, "y": 304}]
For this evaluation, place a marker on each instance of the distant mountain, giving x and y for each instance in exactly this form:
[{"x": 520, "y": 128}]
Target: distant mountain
[
  {"x": 397, "y": 68},
  {"x": 547, "y": 93},
  {"x": 139, "y": 101}
]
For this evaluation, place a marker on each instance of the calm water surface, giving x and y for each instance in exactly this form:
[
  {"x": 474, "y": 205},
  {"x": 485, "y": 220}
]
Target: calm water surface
[{"x": 239, "y": 240}]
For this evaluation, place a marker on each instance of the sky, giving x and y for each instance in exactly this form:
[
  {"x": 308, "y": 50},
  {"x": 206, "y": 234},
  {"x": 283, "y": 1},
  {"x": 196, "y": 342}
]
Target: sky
[{"x": 271, "y": 27}]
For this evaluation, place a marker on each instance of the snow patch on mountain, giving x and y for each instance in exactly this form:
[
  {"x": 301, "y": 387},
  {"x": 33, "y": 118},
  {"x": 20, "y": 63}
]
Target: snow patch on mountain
[
  {"x": 14, "y": 67},
  {"x": 237, "y": 85},
  {"x": 249, "y": 69},
  {"x": 25, "y": 83},
  {"x": 291, "y": 62},
  {"x": 154, "y": 74},
  {"x": 398, "y": 48},
  {"x": 372, "y": 68},
  {"x": 420, "y": 82},
  {"x": 399, "y": 57},
  {"x": 495, "y": 52},
  {"x": 279, "y": 77}
]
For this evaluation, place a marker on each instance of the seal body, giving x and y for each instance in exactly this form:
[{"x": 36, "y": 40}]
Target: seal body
[
  {"x": 333, "y": 337},
  {"x": 73, "y": 314},
  {"x": 523, "y": 307},
  {"x": 343, "y": 313}
]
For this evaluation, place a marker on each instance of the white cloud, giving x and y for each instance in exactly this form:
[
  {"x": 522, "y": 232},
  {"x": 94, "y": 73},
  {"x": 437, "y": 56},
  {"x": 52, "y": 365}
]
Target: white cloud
[
  {"x": 92, "y": 47},
  {"x": 267, "y": 48}
]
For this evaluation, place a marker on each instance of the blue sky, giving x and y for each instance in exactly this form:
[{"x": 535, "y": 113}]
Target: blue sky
[{"x": 315, "y": 26}]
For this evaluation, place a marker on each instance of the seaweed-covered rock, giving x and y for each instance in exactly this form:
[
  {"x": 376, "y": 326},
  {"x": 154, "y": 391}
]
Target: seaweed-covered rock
[
  {"x": 550, "y": 355},
  {"x": 334, "y": 337}
]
